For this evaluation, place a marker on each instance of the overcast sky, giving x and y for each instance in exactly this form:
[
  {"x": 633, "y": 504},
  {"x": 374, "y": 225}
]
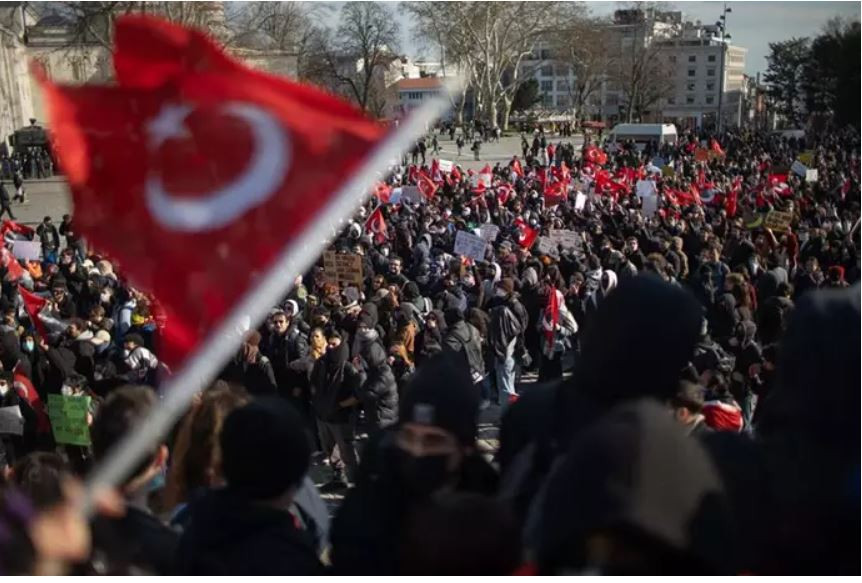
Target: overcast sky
[{"x": 752, "y": 25}]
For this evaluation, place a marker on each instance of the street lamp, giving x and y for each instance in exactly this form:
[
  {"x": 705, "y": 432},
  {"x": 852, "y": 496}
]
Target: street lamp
[{"x": 722, "y": 26}]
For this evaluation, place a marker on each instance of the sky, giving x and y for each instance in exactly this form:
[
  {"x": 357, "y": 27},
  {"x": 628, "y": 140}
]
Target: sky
[{"x": 752, "y": 25}]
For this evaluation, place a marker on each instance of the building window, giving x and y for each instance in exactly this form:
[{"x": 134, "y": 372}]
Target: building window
[
  {"x": 710, "y": 99},
  {"x": 710, "y": 72},
  {"x": 710, "y": 85},
  {"x": 561, "y": 71},
  {"x": 547, "y": 100},
  {"x": 689, "y": 99},
  {"x": 547, "y": 71},
  {"x": 544, "y": 54},
  {"x": 562, "y": 100},
  {"x": 689, "y": 86},
  {"x": 562, "y": 85},
  {"x": 547, "y": 86},
  {"x": 711, "y": 58},
  {"x": 671, "y": 100},
  {"x": 691, "y": 72},
  {"x": 692, "y": 58},
  {"x": 671, "y": 58}
]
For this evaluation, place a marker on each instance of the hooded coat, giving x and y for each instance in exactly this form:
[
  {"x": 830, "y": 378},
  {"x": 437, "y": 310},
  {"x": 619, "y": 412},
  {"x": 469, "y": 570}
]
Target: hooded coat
[
  {"x": 378, "y": 390},
  {"x": 229, "y": 535},
  {"x": 333, "y": 380}
]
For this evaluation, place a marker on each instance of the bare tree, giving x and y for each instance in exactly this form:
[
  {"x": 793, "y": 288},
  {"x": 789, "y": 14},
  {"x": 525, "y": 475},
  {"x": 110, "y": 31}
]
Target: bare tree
[
  {"x": 643, "y": 77},
  {"x": 354, "y": 60},
  {"x": 491, "y": 40},
  {"x": 581, "y": 45}
]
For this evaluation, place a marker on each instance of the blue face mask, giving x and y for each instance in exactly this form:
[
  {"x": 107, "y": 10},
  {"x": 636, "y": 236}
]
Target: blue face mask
[{"x": 28, "y": 346}]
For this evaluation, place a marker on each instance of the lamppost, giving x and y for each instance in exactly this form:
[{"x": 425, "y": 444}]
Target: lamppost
[{"x": 724, "y": 35}]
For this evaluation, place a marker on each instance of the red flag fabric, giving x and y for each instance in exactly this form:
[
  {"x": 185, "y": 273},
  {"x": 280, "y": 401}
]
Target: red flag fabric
[
  {"x": 485, "y": 175},
  {"x": 195, "y": 171},
  {"x": 455, "y": 174},
  {"x": 504, "y": 191},
  {"x": 716, "y": 147},
  {"x": 517, "y": 169},
  {"x": 376, "y": 224},
  {"x": 28, "y": 392},
  {"x": 33, "y": 305},
  {"x": 426, "y": 186},
  {"x": 14, "y": 227},
  {"x": 526, "y": 234},
  {"x": 14, "y": 271},
  {"x": 382, "y": 191}
]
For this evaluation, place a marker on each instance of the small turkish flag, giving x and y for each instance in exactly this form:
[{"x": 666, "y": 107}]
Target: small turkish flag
[
  {"x": 13, "y": 227},
  {"x": 426, "y": 186},
  {"x": 33, "y": 305},
  {"x": 14, "y": 271},
  {"x": 526, "y": 234},
  {"x": 382, "y": 191},
  {"x": 376, "y": 224},
  {"x": 516, "y": 168},
  {"x": 194, "y": 172},
  {"x": 27, "y": 391}
]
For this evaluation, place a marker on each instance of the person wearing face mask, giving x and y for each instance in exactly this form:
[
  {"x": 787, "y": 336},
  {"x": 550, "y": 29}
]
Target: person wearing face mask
[
  {"x": 14, "y": 445},
  {"x": 138, "y": 542},
  {"x": 432, "y": 450},
  {"x": 140, "y": 364}
]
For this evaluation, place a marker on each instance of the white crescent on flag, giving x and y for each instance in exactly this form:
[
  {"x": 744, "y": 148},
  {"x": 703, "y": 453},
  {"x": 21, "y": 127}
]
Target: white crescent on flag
[{"x": 265, "y": 172}]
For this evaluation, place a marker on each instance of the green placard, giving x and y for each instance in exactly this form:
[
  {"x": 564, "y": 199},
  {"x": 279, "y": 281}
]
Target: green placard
[{"x": 69, "y": 419}]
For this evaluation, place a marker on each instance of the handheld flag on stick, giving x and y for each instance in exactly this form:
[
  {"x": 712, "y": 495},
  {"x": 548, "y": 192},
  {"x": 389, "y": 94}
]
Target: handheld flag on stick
[{"x": 189, "y": 213}]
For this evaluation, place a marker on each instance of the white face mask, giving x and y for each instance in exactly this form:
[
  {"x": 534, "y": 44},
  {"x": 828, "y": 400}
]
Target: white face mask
[
  {"x": 3, "y": 390},
  {"x": 66, "y": 391}
]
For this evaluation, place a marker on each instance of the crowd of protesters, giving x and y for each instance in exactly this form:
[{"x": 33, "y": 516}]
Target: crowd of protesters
[{"x": 697, "y": 410}]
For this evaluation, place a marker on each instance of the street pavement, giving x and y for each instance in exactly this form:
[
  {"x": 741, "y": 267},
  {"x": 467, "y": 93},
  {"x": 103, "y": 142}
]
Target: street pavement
[
  {"x": 490, "y": 153},
  {"x": 48, "y": 197}
]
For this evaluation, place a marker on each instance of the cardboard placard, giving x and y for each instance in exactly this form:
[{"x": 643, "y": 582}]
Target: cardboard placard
[
  {"x": 565, "y": 238},
  {"x": 11, "y": 420},
  {"x": 343, "y": 268},
  {"x": 546, "y": 247},
  {"x": 778, "y": 221},
  {"x": 27, "y": 250},
  {"x": 446, "y": 165},
  {"x": 798, "y": 168},
  {"x": 811, "y": 175},
  {"x": 69, "y": 419},
  {"x": 470, "y": 245},
  {"x": 807, "y": 157},
  {"x": 667, "y": 171},
  {"x": 489, "y": 232}
]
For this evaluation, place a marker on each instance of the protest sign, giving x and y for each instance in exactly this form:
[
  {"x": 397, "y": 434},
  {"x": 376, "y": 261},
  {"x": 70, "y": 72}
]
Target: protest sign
[
  {"x": 470, "y": 245},
  {"x": 649, "y": 205},
  {"x": 27, "y": 250},
  {"x": 798, "y": 168},
  {"x": 489, "y": 232},
  {"x": 343, "y": 268},
  {"x": 69, "y": 419},
  {"x": 565, "y": 238},
  {"x": 811, "y": 175},
  {"x": 445, "y": 165},
  {"x": 11, "y": 420},
  {"x": 807, "y": 157},
  {"x": 645, "y": 188},
  {"x": 546, "y": 246},
  {"x": 411, "y": 193},
  {"x": 778, "y": 221},
  {"x": 580, "y": 201},
  {"x": 667, "y": 171},
  {"x": 658, "y": 162}
]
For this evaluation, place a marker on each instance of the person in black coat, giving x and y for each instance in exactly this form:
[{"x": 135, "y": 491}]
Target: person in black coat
[
  {"x": 378, "y": 391},
  {"x": 398, "y": 476},
  {"x": 5, "y": 202},
  {"x": 285, "y": 344},
  {"x": 251, "y": 369},
  {"x": 247, "y": 528},
  {"x": 334, "y": 383}
]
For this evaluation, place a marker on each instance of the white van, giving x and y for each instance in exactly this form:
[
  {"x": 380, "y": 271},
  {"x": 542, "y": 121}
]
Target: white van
[{"x": 643, "y": 133}]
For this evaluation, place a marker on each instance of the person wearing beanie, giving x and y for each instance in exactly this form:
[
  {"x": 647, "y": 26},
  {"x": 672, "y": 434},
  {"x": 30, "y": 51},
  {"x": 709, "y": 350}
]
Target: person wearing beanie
[
  {"x": 249, "y": 526},
  {"x": 430, "y": 451}
]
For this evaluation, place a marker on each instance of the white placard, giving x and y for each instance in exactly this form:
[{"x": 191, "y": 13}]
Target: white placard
[
  {"x": 546, "y": 247},
  {"x": 649, "y": 205},
  {"x": 645, "y": 188},
  {"x": 411, "y": 193},
  {"x": 580, "y": 201},
  {"x": 566, "y": 238},
  {"x": 811, "y": 175},
  {"x": 489, "y": 232},
  {"x": 11, "y": 420},
  {"x": 28, "y": 250},
  {"x": 395, "y": 195},
  {"x": 446, "y": 165},
  {"x": 470, "y": 245}
]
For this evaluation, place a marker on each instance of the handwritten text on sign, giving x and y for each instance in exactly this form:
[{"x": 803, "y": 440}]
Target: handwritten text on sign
[
  {"x": 343, "y": 268},
  {"x": 470, "y": 245},
  {"x": 69, "y": 419}
]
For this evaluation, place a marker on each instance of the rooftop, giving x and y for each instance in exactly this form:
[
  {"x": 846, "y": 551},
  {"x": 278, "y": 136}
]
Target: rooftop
[{"x": 419, "y": 84}]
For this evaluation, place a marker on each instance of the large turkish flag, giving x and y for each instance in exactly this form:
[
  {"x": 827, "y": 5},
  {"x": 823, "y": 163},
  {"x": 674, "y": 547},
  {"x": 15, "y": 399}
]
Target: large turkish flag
[{"x": 195, "y": 171}]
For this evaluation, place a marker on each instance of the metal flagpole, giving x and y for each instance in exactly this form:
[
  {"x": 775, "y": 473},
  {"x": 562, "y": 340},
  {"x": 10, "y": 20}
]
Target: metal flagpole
[{"x": 303, "y": 250}]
